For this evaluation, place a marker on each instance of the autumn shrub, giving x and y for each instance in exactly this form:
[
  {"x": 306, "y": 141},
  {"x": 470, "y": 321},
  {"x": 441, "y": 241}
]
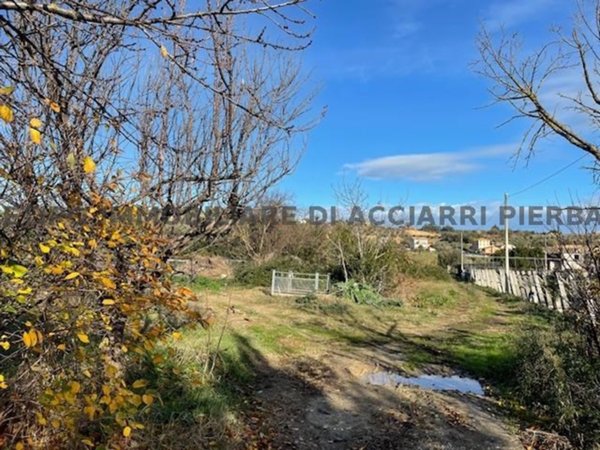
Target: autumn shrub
[{"x": 85, "y": 300}]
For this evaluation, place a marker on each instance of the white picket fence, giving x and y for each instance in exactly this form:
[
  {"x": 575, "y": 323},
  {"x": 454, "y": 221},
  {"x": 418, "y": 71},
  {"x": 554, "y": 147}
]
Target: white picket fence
[{"x": 293, "y": 283}]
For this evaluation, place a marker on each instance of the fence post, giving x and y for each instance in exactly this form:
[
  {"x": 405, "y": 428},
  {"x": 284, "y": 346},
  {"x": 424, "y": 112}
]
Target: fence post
[
  {"x": 273, "y": 282},
  {"x": 317, "y": 282},
  {"x": 327, "y": 284}
]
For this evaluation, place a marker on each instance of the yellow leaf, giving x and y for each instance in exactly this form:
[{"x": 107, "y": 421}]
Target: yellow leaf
[
  {"x": 34, "y": 130},
  {"x": 7, "y": 90},
  {"x": 61, "y": 347},
  {"x": 88, "y": 442},
  {"x": 44, "y": 248},
  {"x": 90, "y": 411},
  {"x": 164, "y": 52},
  {"x": 108, "y": 302},
  {"x": 147, "y": 399},
  {"x": 40, "y": 418},
  {"x": 83, "y": 338},
  {"x": 53, "y": 105},
  {"x": 127, "y": 431},
  {"x": 75, "y": 387},
  {"x": 136, "y": 400},
  {"x": 5, "y": 345},
  {"x": 89, "y": 166},
  {"x": 185, "y": 292},
  {"x": 72, "y": 276},
  {"x": 6, "y": 113},
  {"x": 108, "y": 283},
  {"x": 25, "y": 291},
  {"x": 15, "y": 270},
  {"x": 140, "y": 384},
  {"x": 30, "y": 338},
  {"x": 176, "y": 335},
  {"x": 19, "y": 446}
]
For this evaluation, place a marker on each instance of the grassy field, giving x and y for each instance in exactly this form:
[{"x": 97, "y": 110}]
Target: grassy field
[{"x": 441, "y": 327}]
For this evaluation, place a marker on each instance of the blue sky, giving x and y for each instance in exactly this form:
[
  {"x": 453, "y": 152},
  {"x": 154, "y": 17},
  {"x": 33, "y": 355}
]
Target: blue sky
[{"x": 405, "y": 108}]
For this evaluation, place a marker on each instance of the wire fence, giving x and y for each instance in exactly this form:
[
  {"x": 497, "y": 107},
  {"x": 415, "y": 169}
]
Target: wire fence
[{"x": 514, "y": 262}]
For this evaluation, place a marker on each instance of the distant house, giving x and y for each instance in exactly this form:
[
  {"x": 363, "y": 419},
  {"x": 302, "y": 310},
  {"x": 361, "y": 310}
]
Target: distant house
[
  {"x": 419, "y": 243},
  {"x": 567, "y": 257},
  {"x": 490, "y": 250},
  {"x": 420, "y": 239},
  {"x": 481, "y": 244}
]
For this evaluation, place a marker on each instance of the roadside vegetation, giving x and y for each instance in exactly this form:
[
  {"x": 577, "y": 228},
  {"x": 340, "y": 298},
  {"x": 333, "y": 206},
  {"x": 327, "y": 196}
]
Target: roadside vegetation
[{"x": 105, "y": 345}]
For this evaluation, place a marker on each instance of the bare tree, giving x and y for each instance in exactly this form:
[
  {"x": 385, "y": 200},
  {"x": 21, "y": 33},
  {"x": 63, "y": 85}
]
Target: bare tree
[
  {"x": 525, "y": 81},
  {"x": 213, "y": 116},
  {"x": 225, "y": 147}
]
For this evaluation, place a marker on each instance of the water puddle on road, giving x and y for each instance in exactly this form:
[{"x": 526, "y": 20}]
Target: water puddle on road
[{"x": 432, "y": 382}]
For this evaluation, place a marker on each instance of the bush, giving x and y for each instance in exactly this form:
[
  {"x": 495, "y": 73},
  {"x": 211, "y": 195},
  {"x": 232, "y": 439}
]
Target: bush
[
  {"x": 84, "y": 300},
  {"x": 259, "y": 274},
  {"x": 366, "y": 255},
  {"x": 448, "y": 256},
  {"x": 423, "y": 271},
  {"x": 363, "y": 294},
  {"x": 560, "y": 381}
]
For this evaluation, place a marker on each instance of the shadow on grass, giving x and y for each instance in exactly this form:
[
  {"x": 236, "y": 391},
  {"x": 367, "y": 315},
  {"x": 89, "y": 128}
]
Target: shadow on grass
[
  {"x": 250, "y": 403},
  {"x": 484, "y": 348}
]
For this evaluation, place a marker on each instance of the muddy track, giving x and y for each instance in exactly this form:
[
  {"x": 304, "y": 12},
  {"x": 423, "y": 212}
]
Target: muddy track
[{"x": 327, "y": 404}]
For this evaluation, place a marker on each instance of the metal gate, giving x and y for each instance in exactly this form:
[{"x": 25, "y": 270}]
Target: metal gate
[{"x": 293, "y": 283}]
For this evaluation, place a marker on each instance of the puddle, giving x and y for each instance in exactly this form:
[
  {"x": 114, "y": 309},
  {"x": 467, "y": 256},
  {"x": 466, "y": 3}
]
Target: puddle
[{"x": 433, "y": 382}]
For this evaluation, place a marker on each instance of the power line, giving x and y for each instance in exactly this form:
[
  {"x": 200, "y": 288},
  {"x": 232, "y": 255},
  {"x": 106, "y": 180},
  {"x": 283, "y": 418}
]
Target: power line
[{"x": 552, "y": 175}]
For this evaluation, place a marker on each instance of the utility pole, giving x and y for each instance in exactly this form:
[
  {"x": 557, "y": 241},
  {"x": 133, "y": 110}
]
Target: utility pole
[
  {"x": 462, "y": 256},
  {"x": 545, "y": 251},
  {"x": 506, "y": 253}
]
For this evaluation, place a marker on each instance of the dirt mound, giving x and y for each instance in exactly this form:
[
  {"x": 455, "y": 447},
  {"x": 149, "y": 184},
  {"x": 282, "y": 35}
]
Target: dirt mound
[{"x": 206, "y": 266}]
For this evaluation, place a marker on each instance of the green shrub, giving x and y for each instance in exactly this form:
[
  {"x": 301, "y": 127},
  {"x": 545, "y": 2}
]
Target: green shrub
[
  {"x": 367, "y": 256},
  {"x": 448, "y": 256},
  {"x": 425, "y": 271},
  {"x": 363, "y": 294},
  {"x": 259, "y": 274},
  {"x": 560, "y": 381}
]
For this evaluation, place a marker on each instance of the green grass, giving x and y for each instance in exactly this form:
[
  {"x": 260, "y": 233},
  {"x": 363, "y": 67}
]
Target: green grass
[
  {"x": 201, "y": 283},
  {"x": 454, "y": 325}
]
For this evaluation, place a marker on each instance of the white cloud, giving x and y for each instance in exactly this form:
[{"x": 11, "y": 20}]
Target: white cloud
[
  {"x": 510, "y": 13},
  {"x": 428, "y": 166}
]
